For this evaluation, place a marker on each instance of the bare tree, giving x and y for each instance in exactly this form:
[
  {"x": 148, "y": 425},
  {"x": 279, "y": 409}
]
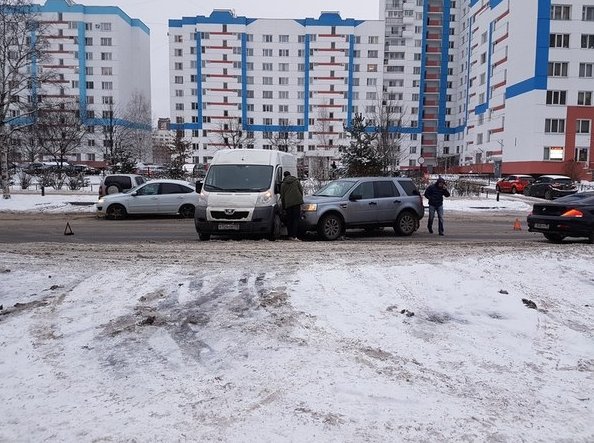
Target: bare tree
[
  {"x": 231, "y": 134},
  {"x": 127, "y": 132},
  {"x": 23, "y": 40},
  {"x": 138, "y": 120},
  {"x": 282, "y": 140},
  {"x": 319, "y": 165},
  {"x": 59, "y": 131},
  {"x": 387, "y": 118}
]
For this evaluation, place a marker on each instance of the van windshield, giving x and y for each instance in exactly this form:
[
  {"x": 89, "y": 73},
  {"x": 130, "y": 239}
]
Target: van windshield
[{"x": 238, "y": 178}]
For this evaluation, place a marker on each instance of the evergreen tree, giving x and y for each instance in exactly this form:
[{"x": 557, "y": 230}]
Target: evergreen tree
[{"x": 361, "y": 157}]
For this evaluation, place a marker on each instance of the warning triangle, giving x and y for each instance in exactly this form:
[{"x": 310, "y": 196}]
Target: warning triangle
[{"x": 68, "y": 229}]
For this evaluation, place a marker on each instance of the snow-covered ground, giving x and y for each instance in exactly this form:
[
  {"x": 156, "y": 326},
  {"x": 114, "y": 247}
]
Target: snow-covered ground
[
  {"x": 255, "y": 341},
  {"x": 272, "y": 342}
]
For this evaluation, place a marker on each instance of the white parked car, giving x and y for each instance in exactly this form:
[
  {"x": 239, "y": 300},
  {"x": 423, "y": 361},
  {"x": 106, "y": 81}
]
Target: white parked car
[{"x": 154, "y": 197}]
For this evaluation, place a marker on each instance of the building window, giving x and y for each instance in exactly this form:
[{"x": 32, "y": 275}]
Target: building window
[
  {"x": 588, "y": 13},
  {"x": 267, "y": 94},
  {"x": 559, "y": 41},
  {"x": 283, "y": 38},
  {"x": 581, "y": 154},
  {"x": 587, "y": 41},
  {"x": 266, "y": 52},
  {"x": 179, "y": 38},
  {"x": 584, "y": 98},
  {"x": 105, "y": 26},
  {"x": 558, "y": 69},
  {"x": 586, "y": 70},
  {"x": 556, "y": 97},
  {"x": 555, "y": 125},
  {"x": 266, "y": 66},
  {"x": 106, "y": 56},
  {"x": 553, "y": 153},
  {"x": 582, "y": 127},
  {"x": 560, "y": 12},
  {"x": 105, "y": 41},
  {"x": 267, "y": 38}
]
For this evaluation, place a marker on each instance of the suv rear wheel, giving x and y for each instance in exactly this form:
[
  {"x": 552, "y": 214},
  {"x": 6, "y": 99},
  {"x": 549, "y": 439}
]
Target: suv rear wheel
[
  {"x": 406, "y": 223},
  {"x": 330, "y": 227},
  {"x": 113, "y": 189},
  {"x": 548, "y": 195}
]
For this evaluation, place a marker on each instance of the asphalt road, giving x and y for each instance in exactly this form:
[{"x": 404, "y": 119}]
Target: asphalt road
[{"x": 88, "y": 229}]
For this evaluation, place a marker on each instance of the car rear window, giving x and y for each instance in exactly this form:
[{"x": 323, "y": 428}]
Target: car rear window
[
  {"x": 384, "y": 189},
  {"x": 409, "y": 187},
  {"x": 124, "y": 182},
  {"x": 174, "y": 188}
]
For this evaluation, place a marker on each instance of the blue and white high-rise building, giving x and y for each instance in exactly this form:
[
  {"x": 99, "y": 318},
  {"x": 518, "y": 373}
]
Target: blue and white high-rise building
[{"x": 475, "y": 85}]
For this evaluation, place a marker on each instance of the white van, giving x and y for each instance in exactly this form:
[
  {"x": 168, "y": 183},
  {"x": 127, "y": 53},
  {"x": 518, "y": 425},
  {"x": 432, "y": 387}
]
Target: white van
[{"x": 241, "y": 193}]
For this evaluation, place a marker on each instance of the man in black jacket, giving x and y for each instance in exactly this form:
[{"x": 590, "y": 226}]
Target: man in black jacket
[
  {"x": 435, "y": 194},
  {"x": 292, "y": 198}
]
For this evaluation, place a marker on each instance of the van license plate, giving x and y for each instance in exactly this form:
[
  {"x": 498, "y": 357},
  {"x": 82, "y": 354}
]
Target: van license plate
[
  {"x": 541, "y": 226},
  {"x": 228, "y": 227}
]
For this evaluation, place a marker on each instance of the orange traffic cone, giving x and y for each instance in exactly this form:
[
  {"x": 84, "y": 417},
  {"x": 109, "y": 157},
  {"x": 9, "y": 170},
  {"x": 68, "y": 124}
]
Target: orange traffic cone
[{"x": 517, "y": 225}]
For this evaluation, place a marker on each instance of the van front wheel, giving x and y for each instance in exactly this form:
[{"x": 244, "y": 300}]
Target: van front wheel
[{"x": 276, "y": 228}]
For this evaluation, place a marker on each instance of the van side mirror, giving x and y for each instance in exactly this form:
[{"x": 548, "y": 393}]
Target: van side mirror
[{"x": 198, "y": 187}]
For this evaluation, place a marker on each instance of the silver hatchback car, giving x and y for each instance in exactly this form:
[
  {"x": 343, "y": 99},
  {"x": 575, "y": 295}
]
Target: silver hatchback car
[{"x": 363, "y": 202}]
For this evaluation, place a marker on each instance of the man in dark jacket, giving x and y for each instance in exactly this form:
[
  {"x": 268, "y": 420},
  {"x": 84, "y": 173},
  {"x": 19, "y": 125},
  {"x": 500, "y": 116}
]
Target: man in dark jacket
[
  {"x": 435, "y": 194},
  {"x": 292, "y": 197}
]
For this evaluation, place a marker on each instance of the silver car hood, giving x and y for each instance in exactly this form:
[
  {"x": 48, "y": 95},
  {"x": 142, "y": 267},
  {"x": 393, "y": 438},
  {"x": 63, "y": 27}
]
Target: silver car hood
[{"x": 320, "y": 199}]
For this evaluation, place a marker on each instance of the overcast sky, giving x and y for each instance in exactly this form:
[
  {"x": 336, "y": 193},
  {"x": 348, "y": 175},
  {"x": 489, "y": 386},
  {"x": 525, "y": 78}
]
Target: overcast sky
[{"x": 156, "y": 13}]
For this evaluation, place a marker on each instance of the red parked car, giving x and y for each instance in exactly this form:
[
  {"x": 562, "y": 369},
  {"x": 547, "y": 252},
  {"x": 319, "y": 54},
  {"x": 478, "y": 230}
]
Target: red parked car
[{"x": 514, "y": 183}]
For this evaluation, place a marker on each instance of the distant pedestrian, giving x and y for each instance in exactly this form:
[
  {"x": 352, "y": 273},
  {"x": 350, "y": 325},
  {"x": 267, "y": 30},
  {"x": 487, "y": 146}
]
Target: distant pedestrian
[
  {"x": 435, "y": 194},
  {"x": 292, "y": 199}
]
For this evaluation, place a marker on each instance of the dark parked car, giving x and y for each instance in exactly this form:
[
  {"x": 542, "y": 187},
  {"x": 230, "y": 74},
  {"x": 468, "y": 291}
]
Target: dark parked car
[
  {"x": 368, "y": 202},
  {"x": 570, "y": 216},
  {"x": 514, "y": 183},
  {"x": 550, "y": 187}
]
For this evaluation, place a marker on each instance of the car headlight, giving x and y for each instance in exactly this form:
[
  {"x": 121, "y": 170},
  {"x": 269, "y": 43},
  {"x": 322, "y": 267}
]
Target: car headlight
[
  {"x": 100, "y": 202},
  {"x": 309, "y": 207},
  {"x": 265, "y": 199},
  {"x": 203, "y": 199}
]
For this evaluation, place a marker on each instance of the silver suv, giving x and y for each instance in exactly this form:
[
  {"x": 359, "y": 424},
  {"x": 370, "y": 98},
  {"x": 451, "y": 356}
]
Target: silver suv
[{"x": 363, "y": 202}]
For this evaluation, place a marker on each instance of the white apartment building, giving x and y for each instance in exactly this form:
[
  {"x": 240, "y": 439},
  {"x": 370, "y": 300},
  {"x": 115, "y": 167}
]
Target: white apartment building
[
  {"x": 302, "y": 79},
  {"x": 101, "y": 58},
  {"x": 509, "y": 82},
  {"x": 500, "y": 86}
]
